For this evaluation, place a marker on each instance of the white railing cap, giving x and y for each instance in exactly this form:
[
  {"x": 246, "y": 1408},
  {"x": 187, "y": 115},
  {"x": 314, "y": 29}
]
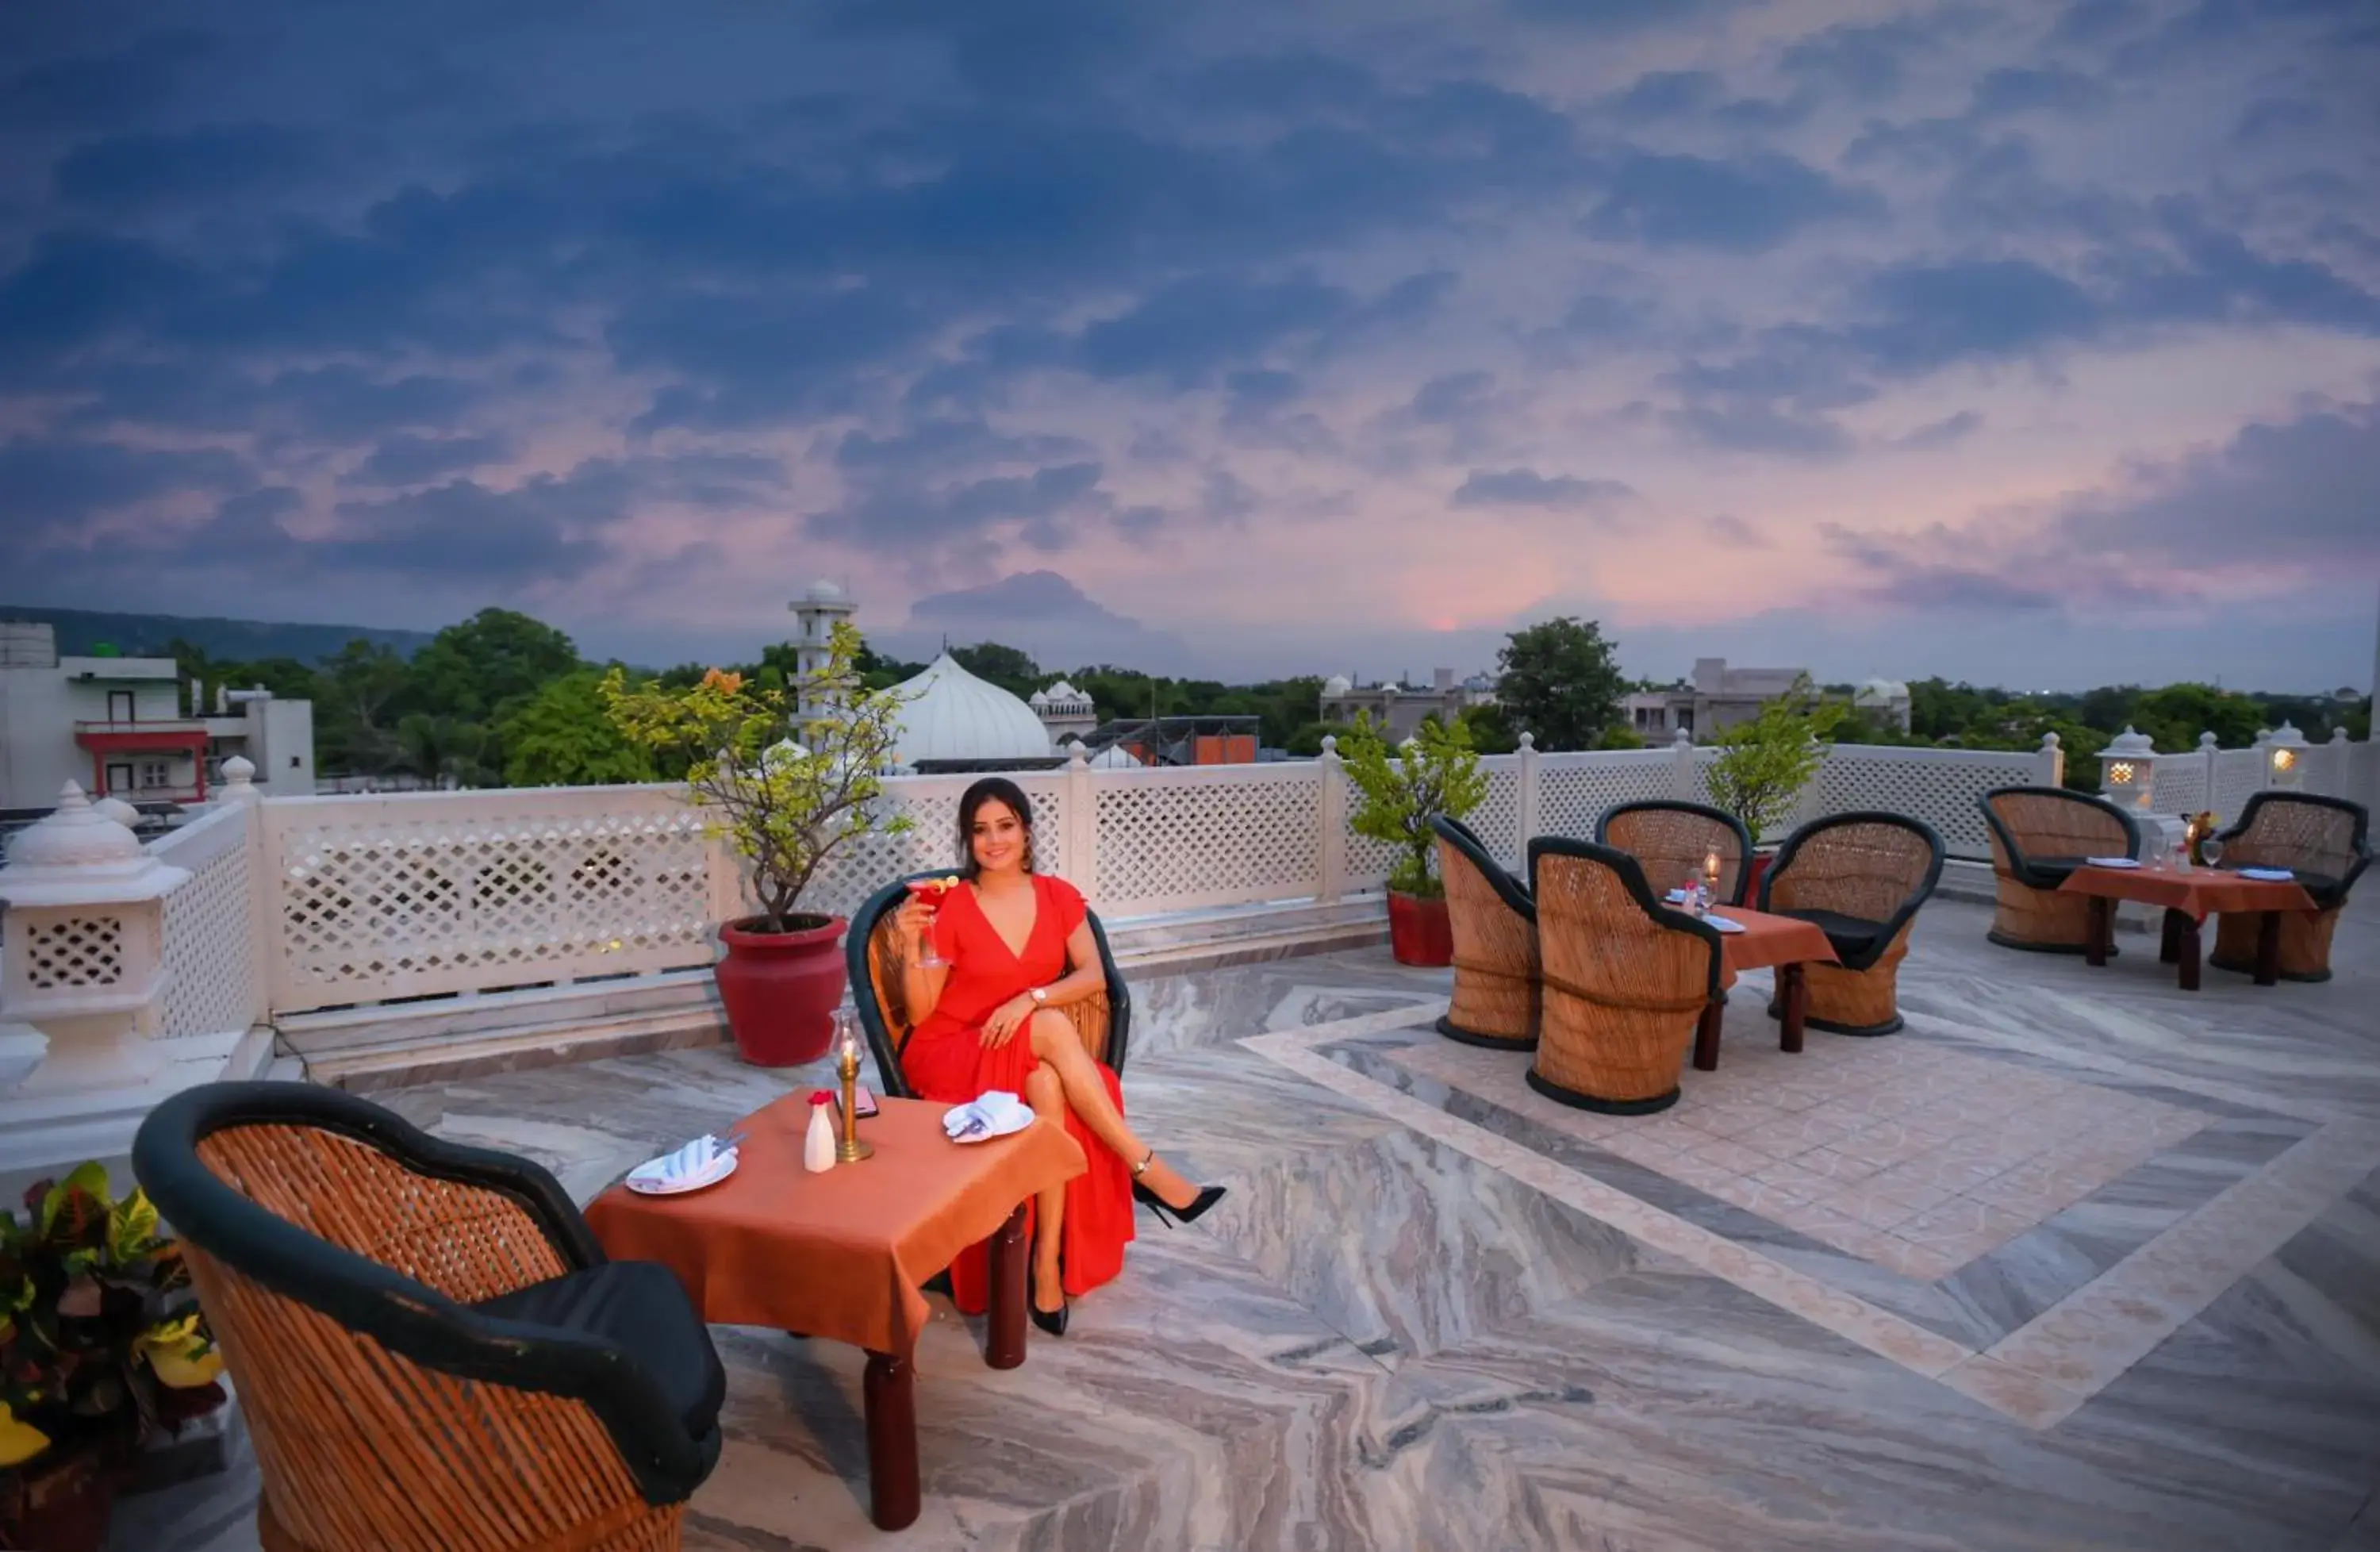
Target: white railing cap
[
  {"x": 2128, "y": 745},
  {"x": 79, "y": 856}
]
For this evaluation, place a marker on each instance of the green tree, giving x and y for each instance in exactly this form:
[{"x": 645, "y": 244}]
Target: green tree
[
  {"x": 1764, "y": 763},
  {"x": 563, "y": 736},
  {"x": 2176, "y": 714},
  {"x": 475, "y": 671},
  {"x": 1010, "y": 668},
  {"x": 1560, "y": 681},
  {"x": 1491, "y": 730},
  {"x": 443, "y": 749},
  {"x": 358, "y": 693}
]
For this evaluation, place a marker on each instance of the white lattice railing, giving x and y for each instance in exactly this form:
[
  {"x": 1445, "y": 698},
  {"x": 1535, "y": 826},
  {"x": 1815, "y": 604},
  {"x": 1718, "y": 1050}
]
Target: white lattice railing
[
  {"x": 214, "y": 957},
  {"x": 370, "y": 898},
  {"x": 2216, "y": 780}
]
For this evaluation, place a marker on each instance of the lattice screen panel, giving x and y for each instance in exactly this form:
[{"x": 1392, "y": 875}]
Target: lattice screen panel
[
  {"x": 1253, "y": 835},
  {"x": 1944, "y": 793},
  {"x": 2179, "y": 786},
  {"x": 1571, "y": 798},
  {"x": 210, "y": 933},
  {"x": 67, "y": 951},
  {"x": 373, "y": 911},
  {"x": 861, "y": 869},
  {"x": 1497, "y": 817},
  {"x": 2237, "y": 774}
]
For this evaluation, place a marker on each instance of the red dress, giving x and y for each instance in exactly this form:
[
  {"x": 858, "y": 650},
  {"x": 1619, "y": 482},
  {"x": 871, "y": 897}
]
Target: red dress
[{"x": 946, "y": 1060}]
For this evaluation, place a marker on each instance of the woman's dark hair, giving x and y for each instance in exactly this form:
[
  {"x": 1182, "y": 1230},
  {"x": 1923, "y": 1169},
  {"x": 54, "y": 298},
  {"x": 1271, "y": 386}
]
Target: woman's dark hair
[{"x": 992, "y": 789}]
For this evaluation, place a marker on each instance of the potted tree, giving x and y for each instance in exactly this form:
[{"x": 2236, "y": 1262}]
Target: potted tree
[
  {"x": 1436, "y": 771},
  {"x": 1764, "y": 763},
  {"x": 102, "y": 1345},
  {"x": 790, "y": 779}
]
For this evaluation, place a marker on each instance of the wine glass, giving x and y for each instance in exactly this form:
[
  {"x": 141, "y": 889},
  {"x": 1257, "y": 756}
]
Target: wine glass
[
  {"x": 931, "y": 891},
  {"x": 2210, "y": 851}
]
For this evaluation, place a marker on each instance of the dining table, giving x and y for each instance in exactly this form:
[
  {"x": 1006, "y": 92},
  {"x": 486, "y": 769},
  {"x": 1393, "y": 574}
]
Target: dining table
[
  {"x": 842, "y": 1254},
  {"x": 2190, "y": 896},
  {"x": 1768, "y": 940}
]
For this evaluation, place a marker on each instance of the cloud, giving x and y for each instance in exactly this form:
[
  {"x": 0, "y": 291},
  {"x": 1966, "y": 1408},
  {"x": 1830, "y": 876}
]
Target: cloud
[
  {"x": 1521, "y": 486},
  {"x": 405, "y": 459},
  {"x": 1748, "y": 205},
  {"x": 901, "y": 516},
  {"x": 1734, "y": 533},
  {"x": 53, "y": 487},
  {"x": 1048, "y": 617},
  {"x": 1934, "y": 435},
  {"x": 204, "y": 166},
  {"x": 2014, "y": 89}
]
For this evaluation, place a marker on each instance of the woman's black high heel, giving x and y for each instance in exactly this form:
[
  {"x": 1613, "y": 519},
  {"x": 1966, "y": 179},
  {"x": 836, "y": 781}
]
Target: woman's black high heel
[
  {"x": 1051, "y": 1321},
  {"x": 1208, "y": 1196}
]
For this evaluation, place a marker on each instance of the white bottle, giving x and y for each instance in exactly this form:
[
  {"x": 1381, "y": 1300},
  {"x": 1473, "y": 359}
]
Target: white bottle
[{"x": 818, "y": 1143}]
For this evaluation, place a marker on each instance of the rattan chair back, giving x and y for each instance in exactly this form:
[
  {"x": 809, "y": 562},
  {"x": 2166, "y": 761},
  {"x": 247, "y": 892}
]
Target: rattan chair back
[
  {"x": 1670, "y": 839},
  {"x": 2328, "y": 838},
  {"x": 2033, "y": 822}
]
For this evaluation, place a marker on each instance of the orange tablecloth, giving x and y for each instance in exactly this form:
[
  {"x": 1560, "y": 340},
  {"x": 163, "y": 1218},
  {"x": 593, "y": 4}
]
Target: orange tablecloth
[
  {"x": 838, "y": 1254},
  {"x": 2196, "y": 892},
  {"x": 1768, "y": 940}
]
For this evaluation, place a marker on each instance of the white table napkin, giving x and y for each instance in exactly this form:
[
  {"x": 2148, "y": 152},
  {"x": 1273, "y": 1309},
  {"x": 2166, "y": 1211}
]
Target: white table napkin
[
  {"x": 697, "y": 1160},
  {"x": 2267, "y": 875},
  {"x": 1724, "y": 923},
  {"x": 994, "y": 1114}
]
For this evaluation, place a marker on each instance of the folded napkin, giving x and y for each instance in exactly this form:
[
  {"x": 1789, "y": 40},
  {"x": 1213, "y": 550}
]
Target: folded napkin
[
  {"x": 699, "y": 1159},
  {"x": 2112, "y": 862},
  {"x": 994, "y": 1114},
  {"x": 2267, "y": 875},
  {"x": 1724, "y": 923}
]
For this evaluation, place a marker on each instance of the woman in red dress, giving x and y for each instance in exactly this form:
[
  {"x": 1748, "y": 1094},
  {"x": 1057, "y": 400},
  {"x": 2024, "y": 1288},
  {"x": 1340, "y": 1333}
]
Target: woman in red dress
[{"x": 993, "y": 1017}]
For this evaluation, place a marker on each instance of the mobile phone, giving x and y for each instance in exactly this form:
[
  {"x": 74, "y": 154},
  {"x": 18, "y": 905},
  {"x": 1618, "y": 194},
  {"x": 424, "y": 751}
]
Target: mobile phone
[{"x": 862, "y": 1102}]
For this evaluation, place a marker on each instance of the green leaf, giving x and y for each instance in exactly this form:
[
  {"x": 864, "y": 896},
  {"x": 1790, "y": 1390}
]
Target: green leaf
[
  {"x": 132, "y": 1226},
  {"x": 76, "y": 1204}
]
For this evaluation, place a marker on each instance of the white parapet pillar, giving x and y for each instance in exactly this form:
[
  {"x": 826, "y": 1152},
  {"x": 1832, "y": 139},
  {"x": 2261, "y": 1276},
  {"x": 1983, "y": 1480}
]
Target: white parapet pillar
[{"x": 81, "y": 978}]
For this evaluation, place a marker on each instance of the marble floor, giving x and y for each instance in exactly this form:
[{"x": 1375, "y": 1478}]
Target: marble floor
[{"x": 2076, "y": 1261}]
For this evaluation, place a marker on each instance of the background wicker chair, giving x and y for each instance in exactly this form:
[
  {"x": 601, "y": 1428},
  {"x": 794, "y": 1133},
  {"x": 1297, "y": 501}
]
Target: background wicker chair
[
  {"x": 2326, "y": 842},
  {"x": 1861, "y": 876},
  {"x": 1625, "y": 980},
  {"x": 2040, "y": 835},
  {"x": 872, "y": 952},
  {"x": 1495, "y": 926},
  {"x": 1670, "y": 839},
  {"x": 431, "y": 1349}
]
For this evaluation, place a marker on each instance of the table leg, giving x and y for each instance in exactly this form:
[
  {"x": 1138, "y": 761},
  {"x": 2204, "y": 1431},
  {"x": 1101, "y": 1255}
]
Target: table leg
[
  {"x": 2169, "y": 951},
  {"x": 2187, "y": 948},
  {"x": 1005, "y": 1348},
  {"x": 2102, "y": 927},
  {"x": 890, "y": 1392},
  {"x": 1796, "y": 993},
  {"x": 2268, "y": 948},
  {"x": 1707, "y": 1037}
]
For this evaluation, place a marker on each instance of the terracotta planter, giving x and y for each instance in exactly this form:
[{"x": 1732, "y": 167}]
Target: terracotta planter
[
  {"x": 65, "y": 1505},
  {"x": 1419, "y": 930},
  {"x": 780, "y": 988},
  {"x": 1757, "y": 870}
]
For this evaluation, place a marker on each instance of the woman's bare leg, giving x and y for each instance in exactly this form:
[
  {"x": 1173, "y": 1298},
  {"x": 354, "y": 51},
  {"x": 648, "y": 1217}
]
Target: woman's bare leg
[
  {"x": 1047, "y": 1097},
  {"x": 1061, "y": 1050}
]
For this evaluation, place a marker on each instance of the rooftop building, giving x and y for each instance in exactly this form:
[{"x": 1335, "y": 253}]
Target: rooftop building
[{"x": 952, "y": 721}]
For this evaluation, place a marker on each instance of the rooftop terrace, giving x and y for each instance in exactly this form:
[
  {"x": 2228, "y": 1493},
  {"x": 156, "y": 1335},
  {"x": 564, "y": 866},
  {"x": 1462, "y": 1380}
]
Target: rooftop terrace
[{"x": 2078, "y": 1260}]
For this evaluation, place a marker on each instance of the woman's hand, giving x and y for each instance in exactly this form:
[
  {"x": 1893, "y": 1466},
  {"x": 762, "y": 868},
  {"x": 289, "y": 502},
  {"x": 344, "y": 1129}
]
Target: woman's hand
[{"x": 1006, "y": 1019}]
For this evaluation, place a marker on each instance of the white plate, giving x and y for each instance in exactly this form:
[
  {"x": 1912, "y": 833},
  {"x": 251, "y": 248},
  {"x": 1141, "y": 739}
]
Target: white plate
[
  {"x": 1724, "y": 923},
  {"x": 2267, "y": 875},
  {"x": 1018, "y": 1124},
  {"x": 2113, "y": 862},
  {"x": 722, "y": 1167}
]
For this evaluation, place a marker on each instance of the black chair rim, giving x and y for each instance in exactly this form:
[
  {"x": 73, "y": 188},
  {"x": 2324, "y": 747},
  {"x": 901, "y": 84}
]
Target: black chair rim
[
  {"x": 2019, "y": 863},
  {"x": 1936, "y": 855},
  {"x": 2359, "y": 840},
  {"x": 1464, "y": 839}
]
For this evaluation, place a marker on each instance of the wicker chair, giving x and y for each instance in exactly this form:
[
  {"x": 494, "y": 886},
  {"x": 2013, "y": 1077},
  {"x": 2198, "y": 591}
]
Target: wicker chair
[
  {"x": 872, "y": 953},
  {"x": 2326, "y": 842},
  {"x": 431, "y": 1351},
  {"x": 2040, "y": 835},
  {"x": 1670, "y": 840},
  {"x": 1861, "y": 876},
  {"x": 1625, "y": 980},
  {"x": 1495, "y": 928}
]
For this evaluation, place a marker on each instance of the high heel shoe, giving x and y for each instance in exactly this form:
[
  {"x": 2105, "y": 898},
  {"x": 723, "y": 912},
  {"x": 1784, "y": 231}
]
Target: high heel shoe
[
  {"x": 1052, "y": 1321},
  {"x": 1208, "y": 1196}
]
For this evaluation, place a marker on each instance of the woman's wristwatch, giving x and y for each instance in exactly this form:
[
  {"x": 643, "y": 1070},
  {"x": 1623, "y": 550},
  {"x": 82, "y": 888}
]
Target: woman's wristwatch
[{"x": 1041, "y": 996}]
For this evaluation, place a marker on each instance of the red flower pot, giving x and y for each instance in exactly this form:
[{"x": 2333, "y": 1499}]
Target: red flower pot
[
  {"x": 1757, "y": 871},
  {"x": 1419, "y": 931},
  {"x": 61, "y": 1506},
  {"x": 781, "y": 989}
]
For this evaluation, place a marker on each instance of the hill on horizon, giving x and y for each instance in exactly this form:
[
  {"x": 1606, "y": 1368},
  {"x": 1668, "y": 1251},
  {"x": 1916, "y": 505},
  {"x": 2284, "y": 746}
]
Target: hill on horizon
[{"x": 134, "y": 636}]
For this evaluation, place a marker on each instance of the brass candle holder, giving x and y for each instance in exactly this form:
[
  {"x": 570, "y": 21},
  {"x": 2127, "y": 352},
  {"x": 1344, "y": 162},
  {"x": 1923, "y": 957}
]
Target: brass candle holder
[{"x": 849, "y": 1149}]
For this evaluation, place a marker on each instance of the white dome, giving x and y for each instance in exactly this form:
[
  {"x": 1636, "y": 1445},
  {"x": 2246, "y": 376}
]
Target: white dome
[
  {"x": 1115, "y": 757},
  {"x": 1039, "y": 697},
  {"x": 824, "y": 591},
  {"x": 1877, "y": 692},
  {"x": 1063, "y": 691},
  {"x": 948, "y": 714},
  {"x": 1336, "y": 684}
]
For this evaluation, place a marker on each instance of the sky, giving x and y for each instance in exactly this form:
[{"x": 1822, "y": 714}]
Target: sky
[{"x": 2030, "y": 343}]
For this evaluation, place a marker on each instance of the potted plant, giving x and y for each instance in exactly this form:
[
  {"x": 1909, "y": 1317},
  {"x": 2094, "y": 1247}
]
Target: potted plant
[
  {"x": 790, "y": 779},
  {"x": 102, "y": 1343},
  {"x": 1436, "y": 771},
  {"x": 1764, "y": 763}
]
